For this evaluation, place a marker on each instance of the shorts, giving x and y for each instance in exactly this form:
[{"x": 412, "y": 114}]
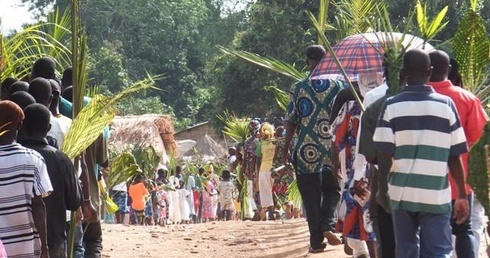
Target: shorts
[
  {"x": 227, "y": 206},
  {"x": 121, "y": 199}
]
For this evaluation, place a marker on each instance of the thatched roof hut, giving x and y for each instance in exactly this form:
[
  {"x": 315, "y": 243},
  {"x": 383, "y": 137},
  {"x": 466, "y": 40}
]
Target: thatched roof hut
[
  {"x": 154, "y": 130},
  {"x": 206, "y": 149}
]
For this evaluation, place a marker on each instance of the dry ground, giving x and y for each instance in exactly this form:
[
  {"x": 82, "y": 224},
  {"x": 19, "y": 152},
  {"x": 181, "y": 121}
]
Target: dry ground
[{"x": 216, "y": 239}]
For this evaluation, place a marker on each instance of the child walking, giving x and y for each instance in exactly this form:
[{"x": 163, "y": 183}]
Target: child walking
[
  {"x": 185, "y": 211},
  {"x": 138, "y": 194},
  {"x": 226, "y": 188}
]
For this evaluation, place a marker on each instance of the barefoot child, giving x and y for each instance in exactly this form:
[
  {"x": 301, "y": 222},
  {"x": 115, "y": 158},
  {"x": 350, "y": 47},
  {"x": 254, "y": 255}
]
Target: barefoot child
[
  {"x": 226, "y": 188},
  {"x": 184, "y": 205}
]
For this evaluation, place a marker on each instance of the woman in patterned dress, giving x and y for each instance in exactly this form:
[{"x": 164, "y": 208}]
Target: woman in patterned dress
[{"x": 354, "y": 221}]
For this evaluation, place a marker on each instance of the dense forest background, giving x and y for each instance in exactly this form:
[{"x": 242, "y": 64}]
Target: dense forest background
[{"x": 129, "y": 39}]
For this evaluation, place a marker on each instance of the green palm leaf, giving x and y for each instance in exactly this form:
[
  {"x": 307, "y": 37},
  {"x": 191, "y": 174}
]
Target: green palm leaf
[
  {"x": 293, "y": 194},
  {"x": 282, "y": 97},
  {"x": 235, "y": 127},
  {"x": 19, "y": 51},
  {"x": 428, "y": 29},
  {"x": 471, "y": 49},
  {"x": 269, "y": 63},
  {"x": 92, "y": 119},
  {"x": 123, "y": 167},
  {"x": 354, "y": 16}
]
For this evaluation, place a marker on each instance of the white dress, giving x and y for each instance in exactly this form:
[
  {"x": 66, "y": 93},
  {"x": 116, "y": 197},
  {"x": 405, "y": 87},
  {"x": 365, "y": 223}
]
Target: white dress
[
  {"x": 174, "y": 209},
  {"x": 184, "y": 205},
  {"x": 190, "y": 186}
]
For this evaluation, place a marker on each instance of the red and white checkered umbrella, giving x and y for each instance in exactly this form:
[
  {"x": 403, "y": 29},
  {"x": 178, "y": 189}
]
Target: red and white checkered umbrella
[{"x": 363, "y": 53}]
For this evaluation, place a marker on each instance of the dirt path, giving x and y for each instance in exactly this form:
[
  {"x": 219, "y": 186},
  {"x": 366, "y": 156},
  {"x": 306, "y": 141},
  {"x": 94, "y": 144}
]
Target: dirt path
[{"x": 216, "y": 239}]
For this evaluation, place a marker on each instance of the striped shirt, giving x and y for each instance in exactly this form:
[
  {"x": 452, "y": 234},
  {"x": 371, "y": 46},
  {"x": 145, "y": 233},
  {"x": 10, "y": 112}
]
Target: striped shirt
[
  {"x": 23, "y": 175},
  {"x": 421, "y": 129}
]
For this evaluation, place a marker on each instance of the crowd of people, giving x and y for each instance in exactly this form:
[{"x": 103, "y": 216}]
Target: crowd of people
[
  {"x": 40, "y": 185},
  {"x": 390, "y": 179},
  {"x": 181, "y": 196}
]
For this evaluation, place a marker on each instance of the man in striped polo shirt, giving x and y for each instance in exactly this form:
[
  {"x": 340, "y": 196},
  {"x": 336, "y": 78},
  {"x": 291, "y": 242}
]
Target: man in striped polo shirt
[
  {"x": 24, "y": 180},
  {"x": 420, "y": 130}
]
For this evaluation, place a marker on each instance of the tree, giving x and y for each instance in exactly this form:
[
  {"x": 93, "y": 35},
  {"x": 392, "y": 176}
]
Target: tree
[{"x": 276, "y": 29}]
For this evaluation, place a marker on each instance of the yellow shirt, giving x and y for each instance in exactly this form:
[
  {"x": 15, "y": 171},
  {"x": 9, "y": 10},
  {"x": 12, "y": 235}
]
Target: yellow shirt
[{"x": 265, "y": 151}]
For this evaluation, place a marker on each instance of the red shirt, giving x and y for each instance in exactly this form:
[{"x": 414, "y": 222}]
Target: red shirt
[{"x": 471, "y": 115}]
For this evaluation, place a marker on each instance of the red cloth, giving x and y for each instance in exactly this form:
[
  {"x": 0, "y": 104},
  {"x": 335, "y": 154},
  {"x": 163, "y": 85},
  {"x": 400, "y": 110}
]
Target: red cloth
[
  {"x": 196, "y": 200},
  {"x": 471, "y": 115}
]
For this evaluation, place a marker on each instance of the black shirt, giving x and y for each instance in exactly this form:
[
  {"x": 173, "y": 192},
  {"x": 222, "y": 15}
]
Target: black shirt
[{"x": 67, "y": 193}]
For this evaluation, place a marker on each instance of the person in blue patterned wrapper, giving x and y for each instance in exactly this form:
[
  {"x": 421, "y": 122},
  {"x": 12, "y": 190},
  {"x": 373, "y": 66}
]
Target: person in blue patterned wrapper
[{"x": 308, "y": 116}]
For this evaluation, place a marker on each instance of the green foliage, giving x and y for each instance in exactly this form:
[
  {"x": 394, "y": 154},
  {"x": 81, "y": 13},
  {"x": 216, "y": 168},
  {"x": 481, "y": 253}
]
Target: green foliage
[
  {"x": 426, "y": 28},
  {"x": 234, "y": 127},
  {"x": 354, "y": 16},
  {"x": 123, "y": 167},
  {"x": 19, "y": 51},
  {"x": 471, "y": 47},
  {"x": 92, "y": 119},
  {"x": 269, "y": 63},
  {"x": 478, "y": 164},
  {"x": 277, "y": 30},
  {"x": 281, "y": 96}
]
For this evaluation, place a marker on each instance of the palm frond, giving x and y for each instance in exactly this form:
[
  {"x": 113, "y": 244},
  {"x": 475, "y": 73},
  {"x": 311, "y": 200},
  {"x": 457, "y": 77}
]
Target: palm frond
[
  {"x": 323, "y": 16},
  {"x": 471, "y": 47},
  {"x": 235, "y": 127},
  {"x": 19, "y": 51},
  {"x": 429, "y": 30},
  {"x": 293, "y": 193},
  {"x": 328, "y": 47},
  {"x": 356, "y": 15},
  {"x": 92, "y": 119},
  {"x": 282, "y": 97},
  {"x": 123, "y": 167},
  {"x": 269, "y": 63}
]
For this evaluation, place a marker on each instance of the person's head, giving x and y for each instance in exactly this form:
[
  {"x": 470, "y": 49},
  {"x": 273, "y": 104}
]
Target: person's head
[
  {"x": 56, "y": 91},
  {"x": 226, "y": 174},
  {"x": 279, "y": 131},
  {"x": 231, "y": 151},
  {"x": 43, "y": 67},
  {"x": 368, "y": 82},
  {"x": 23, "y": 99},
  {"x": 18, "y": 86},
  {"x": 440, "y": 65},
  {"x": 416, "y": 67},
  {"x": 181, "y": 184},
  {"x": 253, "y": 127},
  {"x": 314, "y": 54},
  {"x": 266, "y": 130},
  {"x": 162, "y": 173},
  {"x": 178, "y": 170},
  {"x": 138, "y": 178},
  {"x": 11, "y": 116},
  {"x": 454, "y": 75},
  {"x": 5, "y": 87},
  {"x": 40, "y": 89},
  {"x": 67, "y": 79},
  {"x": 201, "y": 171},
  {"x": 37, "y": 120},
  {"x": 68, "y": 93}
]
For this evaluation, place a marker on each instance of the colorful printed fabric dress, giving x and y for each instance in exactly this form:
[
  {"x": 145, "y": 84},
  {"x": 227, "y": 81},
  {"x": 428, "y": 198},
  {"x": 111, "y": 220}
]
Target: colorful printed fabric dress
[
  {"x": 250, "y": 164},
  {"x": 354, "y": 221}
]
